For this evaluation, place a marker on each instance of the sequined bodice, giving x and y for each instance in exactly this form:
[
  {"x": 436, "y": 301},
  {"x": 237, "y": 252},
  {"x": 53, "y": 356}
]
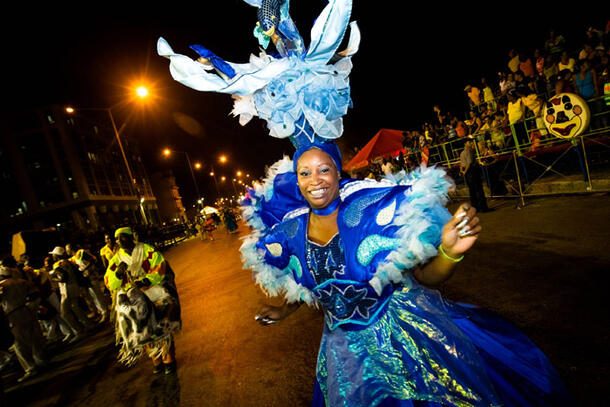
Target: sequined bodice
[
  {"x": 326, "y": 261},
  {"x": 344, "y": 300}
]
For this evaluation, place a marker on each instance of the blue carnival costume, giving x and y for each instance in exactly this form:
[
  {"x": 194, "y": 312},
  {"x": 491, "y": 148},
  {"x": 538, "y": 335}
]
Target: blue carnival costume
[{"x": 388, "y": 340}]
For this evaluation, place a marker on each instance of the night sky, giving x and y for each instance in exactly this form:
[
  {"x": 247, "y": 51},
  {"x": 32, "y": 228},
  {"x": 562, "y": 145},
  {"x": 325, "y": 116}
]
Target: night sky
[{"x": 89, "y": 53}]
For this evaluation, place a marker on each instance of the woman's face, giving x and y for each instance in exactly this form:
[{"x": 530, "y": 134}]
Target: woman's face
[{"x": 318, "y": 178}]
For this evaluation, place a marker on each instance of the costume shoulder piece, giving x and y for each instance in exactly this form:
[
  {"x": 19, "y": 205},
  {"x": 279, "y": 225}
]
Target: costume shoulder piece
[
  {"x": 274, "y": 209},
  {"x": 394, "y": 225}
]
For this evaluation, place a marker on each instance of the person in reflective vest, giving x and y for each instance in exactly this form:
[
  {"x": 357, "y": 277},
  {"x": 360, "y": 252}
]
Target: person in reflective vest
[{"x": 138, "y": 268}]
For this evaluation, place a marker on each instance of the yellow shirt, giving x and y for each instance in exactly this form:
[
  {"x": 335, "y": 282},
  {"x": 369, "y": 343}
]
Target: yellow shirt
[{"x": 107, "y": 253}]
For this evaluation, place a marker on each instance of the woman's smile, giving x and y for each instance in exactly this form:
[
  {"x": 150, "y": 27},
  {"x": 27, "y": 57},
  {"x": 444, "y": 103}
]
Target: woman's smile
[{"x": 318, "y": 178}]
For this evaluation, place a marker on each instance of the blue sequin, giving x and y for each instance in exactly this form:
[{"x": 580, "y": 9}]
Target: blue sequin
[
  {"x": 353, "y": 214},
  {"x": 374, "y": 244},
  {"x": 290, "y": 227}
]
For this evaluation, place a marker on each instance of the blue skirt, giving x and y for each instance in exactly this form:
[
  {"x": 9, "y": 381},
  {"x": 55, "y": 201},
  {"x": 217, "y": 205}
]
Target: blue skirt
[{"x": 427, "y": 351}]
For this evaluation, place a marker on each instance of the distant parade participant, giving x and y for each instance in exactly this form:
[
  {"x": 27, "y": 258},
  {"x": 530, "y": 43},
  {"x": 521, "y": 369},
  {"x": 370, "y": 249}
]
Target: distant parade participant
[
  {"x": 87, "y": 265},
  {"x": 106, "y": 254},
  {"x": 230, "y": 221},
  {"x": 65, "y": 274},
  {"x": 141, "y": 278},
  {"x": 208, "y": 226},
  {"x": 55, "y": 327},
  {"x": 109, "y": 250},
  {"x": 15, "y": 293}
]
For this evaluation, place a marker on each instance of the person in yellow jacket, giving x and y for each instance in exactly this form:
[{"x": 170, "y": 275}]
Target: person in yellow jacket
[
  {"x": 109, "y": 250},
  {"x": 139, "y": 268}
]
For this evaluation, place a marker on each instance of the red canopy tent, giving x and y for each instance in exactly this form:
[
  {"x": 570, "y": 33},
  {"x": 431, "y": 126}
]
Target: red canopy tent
[{"x": 386, "y": 143}]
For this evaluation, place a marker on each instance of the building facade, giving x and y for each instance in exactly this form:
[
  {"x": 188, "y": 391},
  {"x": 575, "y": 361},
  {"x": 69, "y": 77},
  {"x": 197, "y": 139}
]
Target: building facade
[
  {"x": 169, "y": 200},
  {"x": 66, "y": 170}
]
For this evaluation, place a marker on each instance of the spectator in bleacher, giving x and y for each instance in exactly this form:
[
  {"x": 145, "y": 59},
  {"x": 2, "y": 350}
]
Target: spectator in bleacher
[
  {"x": 497, "y": 134},
  {"x": 516, "y": 109},
  {"x": 539, "y": 59},
  {"x": 526, "y": 66},
  {"x": 564, "y": 82},
  {"x": 474, "y": 123},
  {"x": 474, "y": 94},
  {"x": 450, "y": 130},
  {"x": 516, "y": 115},
  {"x": 596, "y": 61},
  {"x": 487, "y": 111},
  {"x": 566, "y": 62},
  {"x": 602, "y": 72},
  {"x": 585, "y": 81},
  {"x": 488, "y": 94},
  {"x": 550, "y": 71},
  {"x": 486, "y": 126},
  {"x": 387, "y": 167},
  {"x": 554, "y": 45},
  {"x": 594, "y": 36},
  {"x": 508, "y": 83},
  {"x": 439, "y": 115},
  {"x": 587, "y": 52},
  {"x": 521, "y": 82},
  {"x": 461, "y": 129},
  {"x": 532, "y": 102},
  {"x": 513, "y": 61}
]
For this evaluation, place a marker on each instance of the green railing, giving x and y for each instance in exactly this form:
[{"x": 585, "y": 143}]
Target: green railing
[{"x": 526, "y": 161}]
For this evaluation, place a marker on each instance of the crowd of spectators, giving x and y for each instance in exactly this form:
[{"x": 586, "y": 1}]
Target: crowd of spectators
[{"x": 518, "y": 95}]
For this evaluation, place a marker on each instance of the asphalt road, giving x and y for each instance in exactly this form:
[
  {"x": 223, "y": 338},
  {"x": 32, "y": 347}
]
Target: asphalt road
[{"x": 544, "y": 267}]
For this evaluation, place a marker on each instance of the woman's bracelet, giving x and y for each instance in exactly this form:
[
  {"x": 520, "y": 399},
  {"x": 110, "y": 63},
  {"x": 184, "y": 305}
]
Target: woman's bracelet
[{"x": 445, "y": 255}]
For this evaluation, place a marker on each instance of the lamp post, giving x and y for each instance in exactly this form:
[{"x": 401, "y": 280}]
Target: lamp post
[
  {"x": 141, "y": 93},
  {"x": 167, "y": 152}
]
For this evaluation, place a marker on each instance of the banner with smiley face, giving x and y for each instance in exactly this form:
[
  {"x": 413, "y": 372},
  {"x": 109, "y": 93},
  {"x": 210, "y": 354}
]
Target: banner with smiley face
[{"x": 566, "y": 115}]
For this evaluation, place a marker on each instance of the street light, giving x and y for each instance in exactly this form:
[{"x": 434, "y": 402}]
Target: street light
[
  {"x": 167, "y": 152},
  {"x": 222, "y": 159},
  {"x": 142, "y": 92}
]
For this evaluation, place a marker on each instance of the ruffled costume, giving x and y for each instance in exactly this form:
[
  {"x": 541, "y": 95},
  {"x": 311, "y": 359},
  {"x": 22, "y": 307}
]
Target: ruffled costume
[
  {"x": 388, "y": 341},
  {"x": 388, "y": 338}
]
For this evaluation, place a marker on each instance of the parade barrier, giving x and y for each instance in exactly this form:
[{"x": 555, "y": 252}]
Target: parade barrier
[
  {"x": 170, "y": 235},
  {"x": 531, "y": 161}
]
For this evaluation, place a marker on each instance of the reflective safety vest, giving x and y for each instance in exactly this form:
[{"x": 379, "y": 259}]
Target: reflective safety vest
[{"x": 153, "y": 268}]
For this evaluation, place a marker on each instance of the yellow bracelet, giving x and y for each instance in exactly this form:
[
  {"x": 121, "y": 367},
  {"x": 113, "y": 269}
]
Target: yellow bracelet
[{"x": 445, "y": 255}]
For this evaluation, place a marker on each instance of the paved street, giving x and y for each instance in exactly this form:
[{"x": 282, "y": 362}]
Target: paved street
[{"x": 543, "y": 267}]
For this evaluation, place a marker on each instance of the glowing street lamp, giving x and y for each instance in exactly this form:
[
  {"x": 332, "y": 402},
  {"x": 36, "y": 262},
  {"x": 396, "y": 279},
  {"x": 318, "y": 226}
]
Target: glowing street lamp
[
  {"x": 222, "y": 159},
  {"x": 167, "y": 152},
  {"x": 142, "y": 92},
  {"x": 197, "y": 166},
  {"x": 239, "y": 173}
]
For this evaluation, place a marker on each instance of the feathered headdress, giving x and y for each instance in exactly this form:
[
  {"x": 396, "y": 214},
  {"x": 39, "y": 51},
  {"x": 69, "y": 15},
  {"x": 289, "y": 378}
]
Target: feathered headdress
[{"x": 301, "y": 93}]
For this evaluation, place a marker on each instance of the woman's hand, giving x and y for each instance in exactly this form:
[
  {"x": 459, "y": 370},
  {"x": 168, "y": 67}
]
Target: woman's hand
[
  {"x": 460, "y": 233},
  {"x": 269, "y": 314}
]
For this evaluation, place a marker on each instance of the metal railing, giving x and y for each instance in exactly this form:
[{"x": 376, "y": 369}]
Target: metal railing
[{"x": 529, "y": 156}]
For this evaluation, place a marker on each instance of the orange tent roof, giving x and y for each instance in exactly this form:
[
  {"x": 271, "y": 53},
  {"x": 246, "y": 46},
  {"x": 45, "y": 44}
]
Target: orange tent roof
[{"x": 385, "y": 143}]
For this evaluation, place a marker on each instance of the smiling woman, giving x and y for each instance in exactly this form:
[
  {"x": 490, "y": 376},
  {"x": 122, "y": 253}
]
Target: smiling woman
[
  {"x": 318, "y": 178},
  {"x": 363, "y": 251}
]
